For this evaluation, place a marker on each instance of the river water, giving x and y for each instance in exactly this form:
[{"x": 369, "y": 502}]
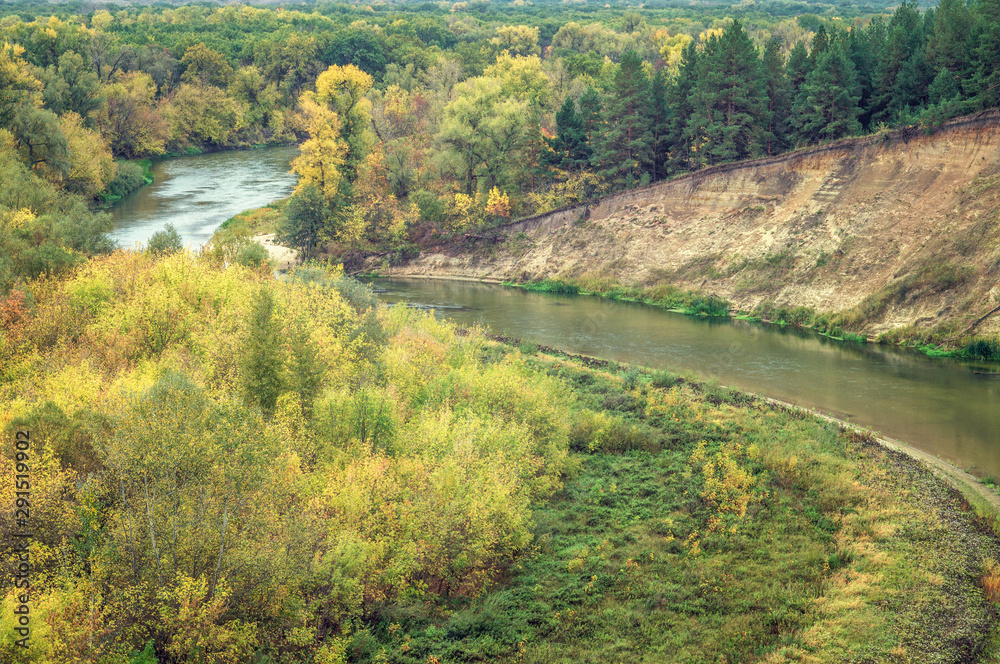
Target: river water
[
  {"x": 199, "y": 192},
  {"x": 946, "y": 407}
]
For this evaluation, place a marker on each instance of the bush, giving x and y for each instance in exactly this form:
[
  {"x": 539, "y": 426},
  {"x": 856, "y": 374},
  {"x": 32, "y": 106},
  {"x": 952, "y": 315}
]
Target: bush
[
  {"x": 166, "y": 241},
  {"x": 253, "y": 255},
  {"x": 982, "y": 349},
  {"x": 128, "y": 177}
]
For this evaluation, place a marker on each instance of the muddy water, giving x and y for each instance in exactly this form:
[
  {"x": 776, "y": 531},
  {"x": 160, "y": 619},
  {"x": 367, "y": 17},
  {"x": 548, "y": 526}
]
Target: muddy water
[
  {"x": 199, "y": 192},
  {"x": 945, "y": 407}
]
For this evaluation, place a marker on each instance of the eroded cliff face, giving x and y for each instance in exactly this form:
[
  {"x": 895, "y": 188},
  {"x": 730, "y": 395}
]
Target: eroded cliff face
[{"x": 900, "y": 229}]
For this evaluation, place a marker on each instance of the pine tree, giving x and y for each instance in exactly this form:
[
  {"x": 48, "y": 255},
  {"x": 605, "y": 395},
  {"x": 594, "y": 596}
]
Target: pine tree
[
  {"x": 625, "y": 148},
  {"x": 590, "y": 114},
  {"x": 987, "y": 79},
  {"x": 904, "y": 36},
  {"x": 679, "y": 98},
  {"x": 821, "y": 42},
  {"x": 660, "y": 123},
  {"x": 730, "y": 104},
  {"x": 862, "y": 55},
  {"x": 831, "y": 97},
  {"x": 779, "y": 101},
  {"x": 949, "y": 43},
  {"x": 569, "y": 148}
]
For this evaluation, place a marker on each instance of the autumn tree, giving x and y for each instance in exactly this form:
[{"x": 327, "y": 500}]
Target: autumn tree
[
  {"x": 200, "y": 114},
  {"x": 129, "y": 121},
  {"x": 338, "y": 116},
  {"x": 203, "y": 65},
  {"x": 91, "y": 167}
]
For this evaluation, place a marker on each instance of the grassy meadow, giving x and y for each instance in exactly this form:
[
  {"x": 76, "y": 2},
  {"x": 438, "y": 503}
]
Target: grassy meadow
[{"x": 227, "y": 468}]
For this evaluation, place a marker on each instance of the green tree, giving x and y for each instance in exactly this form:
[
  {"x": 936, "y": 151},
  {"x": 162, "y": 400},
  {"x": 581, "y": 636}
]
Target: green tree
[
  {"x": 987, "y": 78},
  {"x": 861, "y": 50},
  {"x": 569, "y": 148},
  {"x": 659, "y": 123},
  {"x": 41, "y": 141},
  {"x": 680, "y": 103},
  {"x": 624, "y": 149},
  {"x": 306, "y": 368},
  {"x": 165, "y": 241},
  {"x": 71, "y": 86},
  {"x": 264, "y": 363},
  {"x": 830, "y": 107},
  {"x": 482, "y": 130},
  {"x": 729, "y": 100},
  {"x": 779, "y": 99},
  {"x": 904, "y": 35},
  {"x": 949, "y": 44},
  {"x": 303, "y": 219}
]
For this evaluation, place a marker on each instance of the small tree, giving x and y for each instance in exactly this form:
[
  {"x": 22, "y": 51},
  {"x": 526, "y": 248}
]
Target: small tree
[
  {"x": 264, "y": 363},
  {"x": 165, "y": 241},
  {"x": 304, "y": 219}
]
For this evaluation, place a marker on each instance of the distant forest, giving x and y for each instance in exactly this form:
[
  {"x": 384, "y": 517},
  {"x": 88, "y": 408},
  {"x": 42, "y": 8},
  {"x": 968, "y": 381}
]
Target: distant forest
[{"x": 446, "y": 116}]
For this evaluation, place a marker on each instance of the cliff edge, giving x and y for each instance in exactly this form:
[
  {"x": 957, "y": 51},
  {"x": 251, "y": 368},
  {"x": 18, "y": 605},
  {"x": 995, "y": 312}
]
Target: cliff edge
[{"x": 894, "y": 231}]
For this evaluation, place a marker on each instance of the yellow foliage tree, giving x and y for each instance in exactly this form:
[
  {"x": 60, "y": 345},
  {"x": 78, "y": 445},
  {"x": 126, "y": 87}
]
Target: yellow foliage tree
[
  {"x": 321, "y": 156},
  {"x": 342, "y": 91},
  {"x": 91, "y": 164},
  {"x": 498, "y": 204}
]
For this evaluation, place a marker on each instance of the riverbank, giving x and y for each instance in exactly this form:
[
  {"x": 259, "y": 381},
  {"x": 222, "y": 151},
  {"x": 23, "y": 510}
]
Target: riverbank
[
  {"x": 984, "y": 499},
  {"x": 890, "y": 239}
]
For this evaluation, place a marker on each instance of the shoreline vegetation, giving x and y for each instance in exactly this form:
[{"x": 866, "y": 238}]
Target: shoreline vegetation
[
  {"x": 595, "y": 511},
  {"x": 696, "y": 303}
]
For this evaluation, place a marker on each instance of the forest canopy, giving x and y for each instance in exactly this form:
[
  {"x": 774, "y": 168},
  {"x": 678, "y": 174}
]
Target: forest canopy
[{"x": 421, "y": 120}]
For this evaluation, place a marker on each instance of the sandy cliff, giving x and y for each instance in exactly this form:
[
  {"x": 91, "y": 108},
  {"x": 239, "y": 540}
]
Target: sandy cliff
[{"x": 900, "y": 228}]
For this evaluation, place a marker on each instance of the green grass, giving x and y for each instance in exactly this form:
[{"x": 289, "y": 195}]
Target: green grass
[
  {"x": 665, "y": 297},
  {"x": 842, "y": 553}
]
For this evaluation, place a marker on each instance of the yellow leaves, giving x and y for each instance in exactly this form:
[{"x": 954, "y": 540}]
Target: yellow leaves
[
  {"x": 343, "y": 89},
  {"x": 672, "y": 49},
  {"x": 321, "y": 156},
  {"x": 466, "y": 211},
  {"x": 91, "y": 166},
  {"x": 191, "y": 620},
  {"x": 730, "y": 488},
  {"x": 16, "y": 218},
  {"x": 498, "y": 204}
]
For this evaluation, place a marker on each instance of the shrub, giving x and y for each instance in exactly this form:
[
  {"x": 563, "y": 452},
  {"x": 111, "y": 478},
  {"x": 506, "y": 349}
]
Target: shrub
[
  {"x": 252, "y": 254},
  {"x": 128, "y": 177},
  {"x": 166, "y": 241},
  {"x": 982, "y": 349}
]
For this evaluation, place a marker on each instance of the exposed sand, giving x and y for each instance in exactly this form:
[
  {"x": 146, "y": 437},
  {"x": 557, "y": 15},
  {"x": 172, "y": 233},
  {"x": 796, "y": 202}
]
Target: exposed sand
[{"x": 282, "y": 257}]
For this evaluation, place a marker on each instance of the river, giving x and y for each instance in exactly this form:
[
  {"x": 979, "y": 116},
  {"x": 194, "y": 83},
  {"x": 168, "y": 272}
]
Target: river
[
  {"x": 199, "y": 192},
  {"x": 946, "y": 407}
]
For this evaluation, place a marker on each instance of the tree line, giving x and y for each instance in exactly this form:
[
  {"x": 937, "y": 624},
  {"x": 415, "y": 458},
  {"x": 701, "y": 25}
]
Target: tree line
[{"x": 417, "y": 121}]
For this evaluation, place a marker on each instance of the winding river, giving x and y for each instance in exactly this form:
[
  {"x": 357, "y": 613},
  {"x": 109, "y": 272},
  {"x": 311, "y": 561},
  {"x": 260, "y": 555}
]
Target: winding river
[
  {"x": 945, "y": 407},
  {"x": 199, "y": 192}
]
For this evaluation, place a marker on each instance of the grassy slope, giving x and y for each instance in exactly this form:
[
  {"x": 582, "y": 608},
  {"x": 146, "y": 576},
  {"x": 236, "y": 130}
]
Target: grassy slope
[{"x": 847, "y": 551}]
